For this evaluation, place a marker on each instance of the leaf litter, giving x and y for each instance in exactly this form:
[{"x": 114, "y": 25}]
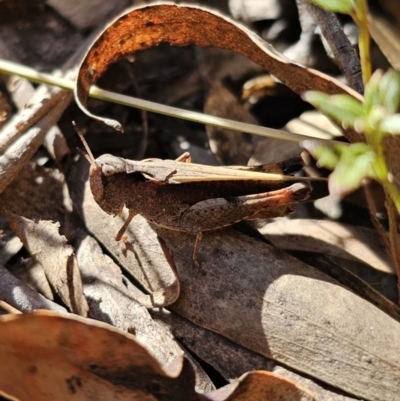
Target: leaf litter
[{"x": 289, "y": 313}]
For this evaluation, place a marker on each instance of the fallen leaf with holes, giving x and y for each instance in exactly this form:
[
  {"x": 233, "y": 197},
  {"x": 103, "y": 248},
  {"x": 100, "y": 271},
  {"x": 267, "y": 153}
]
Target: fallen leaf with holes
[
  {"x": 47, "y": 356},
  {"x": 43, "y": 241}
]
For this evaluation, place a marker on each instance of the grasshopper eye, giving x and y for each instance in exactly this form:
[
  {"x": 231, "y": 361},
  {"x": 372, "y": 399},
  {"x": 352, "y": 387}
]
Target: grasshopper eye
[{"x": 108, "y": 170}]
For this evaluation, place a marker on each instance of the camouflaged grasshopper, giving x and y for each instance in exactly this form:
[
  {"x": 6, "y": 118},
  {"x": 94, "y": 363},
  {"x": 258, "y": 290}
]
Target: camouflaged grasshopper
[{"x": 194, "y": 198}]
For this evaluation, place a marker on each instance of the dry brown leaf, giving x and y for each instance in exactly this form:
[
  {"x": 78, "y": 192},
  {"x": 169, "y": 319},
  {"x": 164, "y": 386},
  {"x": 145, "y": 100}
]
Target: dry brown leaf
[
  {"x": 113, "y": 299},
  {"x": 229, "y": 147},
  {"x": 262, "y": 386},
  {"x": 232, "y": 360},
  {"x": 330, "y": 238},
  {"x": 315, "y": 124},
  {"x": 390, "y": 9},
  {"x": 47, "y": 356},
  {"x": 43, "y": 241},
  {"x": 273, "y": 304},
  {"x": 386, "y": 35},
  {"x": 52, "y": 357},
  {"x": 146, "y": 27}
]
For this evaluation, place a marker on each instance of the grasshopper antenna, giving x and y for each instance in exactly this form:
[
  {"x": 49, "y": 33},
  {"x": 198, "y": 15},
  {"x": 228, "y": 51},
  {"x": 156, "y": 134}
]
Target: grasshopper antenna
[{"x": 89, "y": 155}]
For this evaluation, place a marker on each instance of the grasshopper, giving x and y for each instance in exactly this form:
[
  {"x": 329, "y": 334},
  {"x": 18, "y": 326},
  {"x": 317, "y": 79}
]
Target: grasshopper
[{"x": 194, "y": 198}]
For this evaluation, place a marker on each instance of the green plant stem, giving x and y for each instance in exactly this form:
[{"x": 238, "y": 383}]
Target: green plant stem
[
  {"x": 375, "y": 140},
  {"x": 394, "y": 245},
  {"x": 361, "y": 18},
  {"x": 392, "y": 196}
]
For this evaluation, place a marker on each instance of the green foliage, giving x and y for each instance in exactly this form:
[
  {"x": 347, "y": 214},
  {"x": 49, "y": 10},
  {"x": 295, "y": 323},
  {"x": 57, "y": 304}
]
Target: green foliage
[
  {"x": 376, "y": 118},
  {"x": 342, "y": 108},
  {"x": 336, "y": 6},
  {"x": 351, "y": 164}
]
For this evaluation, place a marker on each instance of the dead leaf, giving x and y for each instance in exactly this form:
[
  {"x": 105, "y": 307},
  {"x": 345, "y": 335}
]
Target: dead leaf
[
  {"x": 260, "y": 386},
  {"x": 330, "y": 238},
  {"x": 271, "y": 303},
  {"x": 10, "y": 244},
  {"x": 232, "y": 360},
  {"x": 43, "y": 241},
  {"x": 57, "y": 357},
  {"x": 148, "y": 26},
  {"x": 47, "y": 356},
  {"x": 386, "y": 36},
  {"x": 31, "y": 272},
  {"x": 230, "y": 148},
  {"x": 115, "y": 300},
  {"x": 19, "y": 295},
  {"x": 314, "y": 124}
]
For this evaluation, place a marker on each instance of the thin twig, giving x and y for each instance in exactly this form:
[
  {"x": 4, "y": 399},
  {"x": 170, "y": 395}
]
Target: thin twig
[
  {"x": 9, "y": 67},
  {"x": 344, "y": 53}
]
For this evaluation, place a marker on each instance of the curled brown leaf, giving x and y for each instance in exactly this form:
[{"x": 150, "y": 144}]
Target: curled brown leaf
[{"x": 149, "y": 26}]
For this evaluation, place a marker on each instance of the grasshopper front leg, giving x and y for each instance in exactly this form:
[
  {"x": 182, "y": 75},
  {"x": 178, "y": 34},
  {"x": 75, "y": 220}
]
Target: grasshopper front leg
[
  {"x": 217, "y": 213},
  {"x": 122, "y": 230}
]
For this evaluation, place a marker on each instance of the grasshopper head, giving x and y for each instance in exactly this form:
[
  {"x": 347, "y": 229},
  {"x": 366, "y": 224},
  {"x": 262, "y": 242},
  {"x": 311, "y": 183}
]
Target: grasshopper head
[
  {"x": 102, "y": 178},
  {"x": 104, "y": 186}
]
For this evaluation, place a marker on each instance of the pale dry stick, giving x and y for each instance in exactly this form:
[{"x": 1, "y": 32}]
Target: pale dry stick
[
  {"x": 17, "y": 155},
  {"x": 8, "y": 308},
  {"x": 8, "y": 67},
  {"x": 24, "y": 95}
]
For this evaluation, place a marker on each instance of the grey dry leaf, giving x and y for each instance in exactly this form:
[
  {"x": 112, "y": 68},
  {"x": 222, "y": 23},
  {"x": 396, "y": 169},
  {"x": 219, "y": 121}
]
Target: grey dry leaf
[
  {"x": 330, "y": 238},
  {"x": 43, "y": 241},
  {"x": 113, "y": 299},
  {"x": 275, "y": 305},
  {"x": 22, "y": 297},
  {"x": 232, "y": 360}
]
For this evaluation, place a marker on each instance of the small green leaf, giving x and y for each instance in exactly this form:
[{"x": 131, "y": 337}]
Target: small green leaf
[
  {"x": 391, "y": 124},
  {"x": 352, "y": 168},
  {"x": 335, "y": 6},
  {"x": 389, "y": 91},
  {"x": 327, "y": 156},
  {"x": 375, "y": 117},
  {"x": 371, "y": 93},
  {"x": 343, "y": 108}
]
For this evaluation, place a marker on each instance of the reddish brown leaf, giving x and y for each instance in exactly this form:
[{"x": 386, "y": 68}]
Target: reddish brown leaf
[
  {"x": 148, "y": 26},
  {"x": 47, "y": 356}
]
